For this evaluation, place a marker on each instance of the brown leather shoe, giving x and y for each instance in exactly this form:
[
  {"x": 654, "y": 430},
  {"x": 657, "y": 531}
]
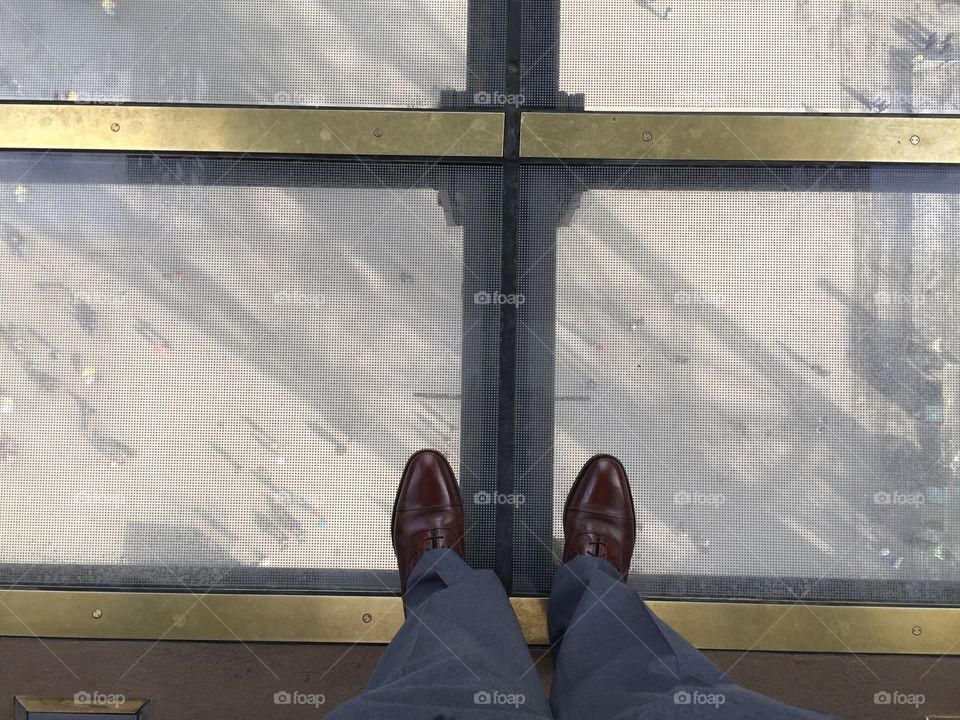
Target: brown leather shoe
[
  {"x": 599, "y": 518},
  {"x": 428, "y": 511}
]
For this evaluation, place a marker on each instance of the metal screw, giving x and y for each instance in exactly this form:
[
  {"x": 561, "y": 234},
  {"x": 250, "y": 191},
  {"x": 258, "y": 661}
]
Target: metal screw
[
  {"x": 647, "y": 136},
  {"x": 115, "y": 127},
  {"x": 915, "y": 140},
  {"x": 97, "y": 614},
  {"x": 367, "y": 618},
  {"x": 917, "y": 630},
  {"x": 377, "y": 132}
]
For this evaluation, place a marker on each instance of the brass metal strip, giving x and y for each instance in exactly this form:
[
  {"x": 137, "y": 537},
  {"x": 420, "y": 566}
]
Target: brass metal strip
[
  {"x": 746, "y": 138},
  {"x": 251, "y": 130},
  {"x": 49, "y": 705},
  {"x": 371, "y": 619}
]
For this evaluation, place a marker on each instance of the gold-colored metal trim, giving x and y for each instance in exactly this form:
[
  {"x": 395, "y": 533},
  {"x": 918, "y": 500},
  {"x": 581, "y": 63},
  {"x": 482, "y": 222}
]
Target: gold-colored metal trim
[
  {"x": 371, "y": 619},
  {"x": 64, "y": 705},
  {"x": 251, "y": 130},
  {"x": 334, "y": 619},
  {"x": 747, "y": 138}
]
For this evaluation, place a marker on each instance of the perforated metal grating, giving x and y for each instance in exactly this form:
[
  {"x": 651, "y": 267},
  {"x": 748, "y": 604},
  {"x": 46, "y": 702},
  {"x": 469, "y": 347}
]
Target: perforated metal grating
[
  {"x": 773, "y": 355},
  {"x": 213, "y": 371},
  {"x": 253, "y": 53},
  {"x": 763, "y": 56}
]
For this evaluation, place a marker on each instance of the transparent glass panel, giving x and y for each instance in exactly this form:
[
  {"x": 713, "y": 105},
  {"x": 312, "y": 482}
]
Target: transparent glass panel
[
  {"x": 213, "y": 371},
  {"x": 773, "y": 353},
  {"x": 249, "y": 53},
  {"x": 764, "y": 56}
]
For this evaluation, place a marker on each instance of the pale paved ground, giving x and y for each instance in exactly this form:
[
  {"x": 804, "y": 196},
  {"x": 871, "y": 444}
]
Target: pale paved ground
[
  {"x": 761, "y": 55},
  {"x": 257, "y": 354},
  {"x": 385, "y": 53},
  {"x": 719, "y": 355}
]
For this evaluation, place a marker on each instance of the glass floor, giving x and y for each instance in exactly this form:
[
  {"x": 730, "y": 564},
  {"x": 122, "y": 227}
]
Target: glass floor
[
  {"x": 237, "y": 53},
  {"x": 214, "y": 367},
  {"x": 771, "y": 354},
  {"x": 215, "y": 371}
]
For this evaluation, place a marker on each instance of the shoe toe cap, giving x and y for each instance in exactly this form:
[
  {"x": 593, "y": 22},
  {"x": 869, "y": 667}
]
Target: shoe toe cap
[
  {"x": 603, "y": 488},
  {"x": 428, "y": 482}
]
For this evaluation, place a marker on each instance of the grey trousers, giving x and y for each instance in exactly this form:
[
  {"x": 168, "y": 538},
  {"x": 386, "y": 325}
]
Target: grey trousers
[{"x": 460, "y": 654}]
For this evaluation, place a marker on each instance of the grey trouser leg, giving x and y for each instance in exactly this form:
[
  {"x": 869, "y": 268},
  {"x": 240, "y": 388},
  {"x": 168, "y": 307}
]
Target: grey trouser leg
[
  {"x": 460, "y": 653},
  {"x": 614, "y": 659}
]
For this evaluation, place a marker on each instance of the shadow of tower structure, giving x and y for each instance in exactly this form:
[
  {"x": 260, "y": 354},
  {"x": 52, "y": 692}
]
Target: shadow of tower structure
[{"x": 521, "y": 73}]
